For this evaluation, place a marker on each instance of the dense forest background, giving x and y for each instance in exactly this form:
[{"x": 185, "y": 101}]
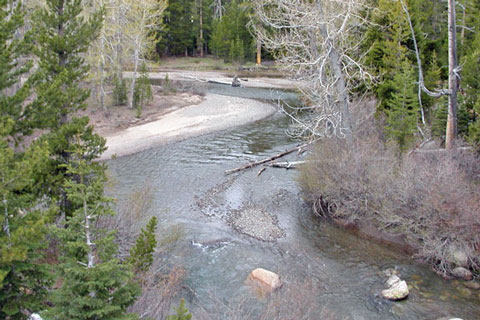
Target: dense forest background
[{"x": 59, "y": 251}]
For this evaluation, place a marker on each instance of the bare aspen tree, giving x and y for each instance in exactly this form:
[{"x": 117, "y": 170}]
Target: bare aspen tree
[
  {"x": 313, "y": 41},
  {"x": 142, "y": 17},
  {"x": 126, "y": 38}
]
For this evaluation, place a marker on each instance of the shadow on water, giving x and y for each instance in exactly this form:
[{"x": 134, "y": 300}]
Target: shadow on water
[{"x": 344, "y": 273}]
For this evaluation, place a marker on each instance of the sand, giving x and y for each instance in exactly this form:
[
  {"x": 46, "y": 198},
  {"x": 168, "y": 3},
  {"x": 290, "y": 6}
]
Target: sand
[{"x": 215, "y": 113}]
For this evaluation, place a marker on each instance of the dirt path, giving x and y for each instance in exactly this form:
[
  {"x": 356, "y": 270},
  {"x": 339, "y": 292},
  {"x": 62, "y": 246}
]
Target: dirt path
[{"x": 215, "y": 113}]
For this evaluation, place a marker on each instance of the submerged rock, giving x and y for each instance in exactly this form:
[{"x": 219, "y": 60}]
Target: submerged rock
[
  {"x": 266, "y": 278},
  {"x": 398, "y": 291},
  {"x": 472, "y": 285},
  {"x": 462, "y": 273}
]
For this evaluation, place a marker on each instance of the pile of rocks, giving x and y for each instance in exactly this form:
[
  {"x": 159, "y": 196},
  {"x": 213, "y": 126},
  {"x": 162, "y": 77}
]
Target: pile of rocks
[{"x": 257, "y": 223}]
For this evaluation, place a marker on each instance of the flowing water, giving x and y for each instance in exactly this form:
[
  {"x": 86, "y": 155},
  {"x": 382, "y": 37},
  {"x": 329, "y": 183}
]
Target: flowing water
[{"x": 335, "y": 272}]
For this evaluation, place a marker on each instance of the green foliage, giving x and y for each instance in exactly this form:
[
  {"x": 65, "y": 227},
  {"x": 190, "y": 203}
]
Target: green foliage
[
  {"x": 182, "y": 312},
  {"x": 231, "y": 39},
  {"x": 471, "y": 85},
  {"x": 24, "y": 279},
  {"x": 178, "y": 36},
  {"x": 119, "y": 91},
  {"x": 402, "y": 108},
  {"x": 141, "y": 255},
  {"x": 143, "y": 90},
  {"x": 440, "y": 115},
  {"x": 11, "y": 94},
  {"x": 62, "y": 36},
  {"x": 95, "y": 284}
]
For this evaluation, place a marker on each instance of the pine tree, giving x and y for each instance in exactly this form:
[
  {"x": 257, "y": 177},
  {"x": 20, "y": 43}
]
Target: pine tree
[
  {"x": 143, "y": 90},
  {"x": 403, "y": 109},
  {"x": 23, "y": 277},
  {"x": 141, "y": 255},
  {"x": 94, "y": 283},
  {"x": 63, "y": 35},
  {"x": 182, "y": 312},
  {"x": 231, "y": 39},
  {"x": 119, "y": 91}
]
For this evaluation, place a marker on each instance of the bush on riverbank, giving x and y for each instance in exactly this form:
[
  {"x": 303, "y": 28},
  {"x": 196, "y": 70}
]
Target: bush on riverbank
[{"x": 431, "y": 199}]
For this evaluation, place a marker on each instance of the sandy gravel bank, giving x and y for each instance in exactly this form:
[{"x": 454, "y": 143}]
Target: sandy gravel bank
[
  {"x": 215, "y": 113},
  {"x": 253, "y": 82}
]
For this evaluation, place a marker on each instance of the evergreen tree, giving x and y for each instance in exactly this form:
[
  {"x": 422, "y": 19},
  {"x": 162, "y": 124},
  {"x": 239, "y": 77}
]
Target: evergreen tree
[
  {"x": 471, "y": 88},
  {"x": 119, "y": 91},
  {"x": 63, "y": 35},
  {"x": 403, "y": 109},
  {"x": 143, "y": 90},
  {"x": 141, "y": 255},
  {"x": 182, "y": 312},
  {"x": 94, "y": 283},
  {"x": 231, "y": 39},
  {"x": 23, "y": 277},
  {"x": 178, "y": 36}
]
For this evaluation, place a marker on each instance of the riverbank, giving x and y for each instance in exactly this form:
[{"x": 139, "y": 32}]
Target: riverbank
[
  {"x": 214, "y": 113},
  {"x": 246, "y": 80}
]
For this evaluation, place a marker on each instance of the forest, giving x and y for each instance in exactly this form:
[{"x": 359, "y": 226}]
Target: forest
[{"x": 390, "y": 93}]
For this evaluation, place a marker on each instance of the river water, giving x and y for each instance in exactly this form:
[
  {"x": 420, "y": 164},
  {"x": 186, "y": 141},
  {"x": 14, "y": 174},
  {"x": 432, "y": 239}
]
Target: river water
[{"x": 327, "y": 271}]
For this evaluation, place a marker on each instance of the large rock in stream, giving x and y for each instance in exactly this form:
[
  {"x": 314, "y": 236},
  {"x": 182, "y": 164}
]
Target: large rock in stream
[
  {"x": 398, "y": 289},
  {"x": 268, "y": 279}
]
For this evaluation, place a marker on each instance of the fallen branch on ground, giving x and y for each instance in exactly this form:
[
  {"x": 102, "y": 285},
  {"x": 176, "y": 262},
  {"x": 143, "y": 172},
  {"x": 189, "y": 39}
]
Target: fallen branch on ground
[{"x": 275, "y": 157}]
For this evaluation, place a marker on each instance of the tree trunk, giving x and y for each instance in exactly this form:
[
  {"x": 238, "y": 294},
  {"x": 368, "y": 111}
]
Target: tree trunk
[
  {"x": 259, "y": 53},
  {"x": 200, "y": 44},
  {"x": 134, "y": 78},
  {"x": 451, "y": 133}
]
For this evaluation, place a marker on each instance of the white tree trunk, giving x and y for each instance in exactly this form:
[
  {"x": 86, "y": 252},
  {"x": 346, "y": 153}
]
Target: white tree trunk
[{"x": 134, "y": 77}]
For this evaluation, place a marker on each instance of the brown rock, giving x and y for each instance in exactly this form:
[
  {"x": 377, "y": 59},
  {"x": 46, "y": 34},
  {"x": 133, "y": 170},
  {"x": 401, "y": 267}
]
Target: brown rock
[{"x": 265, "y": 277}]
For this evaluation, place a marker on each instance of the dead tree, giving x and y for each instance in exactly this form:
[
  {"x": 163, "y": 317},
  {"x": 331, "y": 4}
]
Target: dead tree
[{"x": 313, "y": 42}]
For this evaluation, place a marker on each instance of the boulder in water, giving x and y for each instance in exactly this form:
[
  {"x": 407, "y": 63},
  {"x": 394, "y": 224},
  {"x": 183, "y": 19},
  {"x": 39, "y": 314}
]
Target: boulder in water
[
  {"x": 393, "y": 280},
  {"x": 266, "y": 278},
  {"x": 398, "y": 291},
  {"x": 236, "y": 82}
]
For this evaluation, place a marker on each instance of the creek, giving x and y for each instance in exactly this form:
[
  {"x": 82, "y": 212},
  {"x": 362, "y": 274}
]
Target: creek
[{"x": 342, "y": 274}]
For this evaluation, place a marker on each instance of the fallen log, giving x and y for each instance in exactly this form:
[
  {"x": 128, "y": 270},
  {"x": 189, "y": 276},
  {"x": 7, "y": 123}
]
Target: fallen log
[
  {"x": 275, "y": 157},
  {"x": 219, "y": 82},
  {"x": 286, "y": 164}
]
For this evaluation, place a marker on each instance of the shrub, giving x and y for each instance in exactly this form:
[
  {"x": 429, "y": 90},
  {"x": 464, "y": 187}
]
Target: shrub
[{"x": 431, "y": 198}]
